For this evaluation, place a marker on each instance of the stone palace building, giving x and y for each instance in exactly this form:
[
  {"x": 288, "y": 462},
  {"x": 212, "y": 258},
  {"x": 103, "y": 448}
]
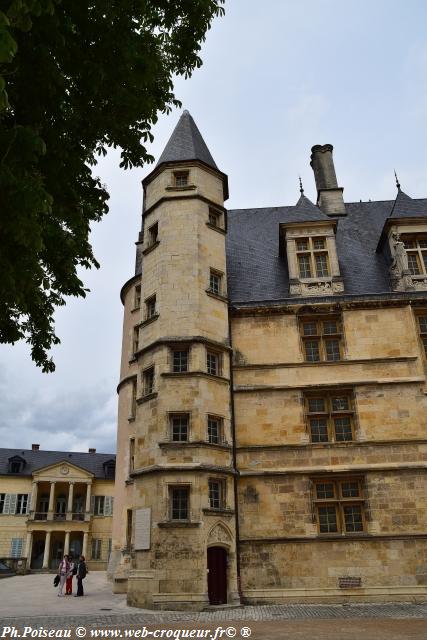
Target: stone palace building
[
  {"x": 272, "y": 429},
  {"x": 55, "y": 502}
]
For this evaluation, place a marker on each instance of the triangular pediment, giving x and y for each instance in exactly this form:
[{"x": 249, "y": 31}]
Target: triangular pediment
[{"x": 63, "y": 470}]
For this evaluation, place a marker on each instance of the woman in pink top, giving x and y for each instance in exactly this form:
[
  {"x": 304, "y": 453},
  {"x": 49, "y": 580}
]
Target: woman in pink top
[{"x": 63, "y": 570}]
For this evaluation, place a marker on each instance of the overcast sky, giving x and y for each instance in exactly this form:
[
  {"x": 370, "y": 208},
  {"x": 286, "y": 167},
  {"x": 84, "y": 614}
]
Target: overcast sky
[{"x": 278, "y": 77}]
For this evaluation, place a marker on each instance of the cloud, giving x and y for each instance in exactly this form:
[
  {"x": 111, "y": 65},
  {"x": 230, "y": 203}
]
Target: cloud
[{"x": 72, "y": 421}]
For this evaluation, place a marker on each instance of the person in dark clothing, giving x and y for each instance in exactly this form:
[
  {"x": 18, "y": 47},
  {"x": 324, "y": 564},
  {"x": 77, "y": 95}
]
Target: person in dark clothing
[{"x": 81, "y": 574}]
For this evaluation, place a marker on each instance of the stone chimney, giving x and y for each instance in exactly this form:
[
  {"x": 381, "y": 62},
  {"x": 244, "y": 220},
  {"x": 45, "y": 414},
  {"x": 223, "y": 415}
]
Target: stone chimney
[
  {"x": 329, "y": 194},
  {"x": 35, "y": 447},
  {"x": 91, "y": 450}
]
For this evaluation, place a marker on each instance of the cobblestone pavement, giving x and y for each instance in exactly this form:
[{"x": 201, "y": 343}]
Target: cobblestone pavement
[{"x": 394, "y": 610}]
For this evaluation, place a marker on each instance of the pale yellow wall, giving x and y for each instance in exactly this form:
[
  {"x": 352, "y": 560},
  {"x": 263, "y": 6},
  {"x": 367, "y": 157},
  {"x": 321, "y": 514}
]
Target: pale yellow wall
[{"x": 13, "y": 526}]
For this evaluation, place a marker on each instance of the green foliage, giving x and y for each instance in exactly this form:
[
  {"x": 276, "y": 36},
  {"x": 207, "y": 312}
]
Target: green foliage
[{"x": 76, "y": 76}]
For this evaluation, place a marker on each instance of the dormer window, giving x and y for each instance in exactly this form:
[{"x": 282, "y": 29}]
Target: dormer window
[
  {"x": 312, "y": 257},
  {"x": 16, "y": 464},
  {"x": 416, "y": 250},
  {"x": 310, "y": 250},
  {"x": 408, "y": 269},
  {"x": 109, "y": 469}
]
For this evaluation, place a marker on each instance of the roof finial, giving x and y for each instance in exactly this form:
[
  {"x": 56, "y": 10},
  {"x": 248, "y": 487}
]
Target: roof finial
[
  {"x": 301, "y": 188},
  {"x": 397, "y": 180}
]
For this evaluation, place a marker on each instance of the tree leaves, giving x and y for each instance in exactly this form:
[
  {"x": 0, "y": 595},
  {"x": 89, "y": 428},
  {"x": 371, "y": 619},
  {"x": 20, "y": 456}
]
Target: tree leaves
[{"x": 75, "y": 78}]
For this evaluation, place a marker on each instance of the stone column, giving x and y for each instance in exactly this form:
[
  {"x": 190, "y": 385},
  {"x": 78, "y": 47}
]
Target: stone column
[
  {"x": 28, "y": 548},
  {"x": 67, "y": 543},
  {"x": 34, "y": 492},
  {"x": 84, "y": 548},
  {"x": 46, "y": 551},
  {"x": 88, "y": 496},
  {"x": 70, "y": 501},
  {"x": 51, "y": 501}
]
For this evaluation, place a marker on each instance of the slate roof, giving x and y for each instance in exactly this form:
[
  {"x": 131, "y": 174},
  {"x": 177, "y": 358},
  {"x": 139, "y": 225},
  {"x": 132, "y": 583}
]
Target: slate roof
[
  {"x": 306, "y": 211},
  {"x": 35, "y": 460},
  {"x": 256, "y": 272},
  {"x": 186, "y": 143},
  {"x": 406, "y": 207}
]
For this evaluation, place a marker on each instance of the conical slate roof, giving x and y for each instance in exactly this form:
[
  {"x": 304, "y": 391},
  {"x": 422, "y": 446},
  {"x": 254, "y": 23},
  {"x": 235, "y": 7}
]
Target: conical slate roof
[
  {"x": 405, "y": 207},
  {"x": 186, "y": 143},
  {"x": 309, "y": 210}
]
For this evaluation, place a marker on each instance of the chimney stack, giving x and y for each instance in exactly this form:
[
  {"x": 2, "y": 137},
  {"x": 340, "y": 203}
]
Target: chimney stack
[
  {"x": 329, "y": 194},
  {"x": 35, "y": 447},
  {"x": 92, "y": 450}
]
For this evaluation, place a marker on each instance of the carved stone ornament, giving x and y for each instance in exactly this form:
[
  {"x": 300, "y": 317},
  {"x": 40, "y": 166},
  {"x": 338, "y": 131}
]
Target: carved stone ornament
[
  {"x": 316, "y": 288},
  {"x": 219, "y": 534},
  {"x": 65, "y": 469},
  {"x": 400, "y": 276}
]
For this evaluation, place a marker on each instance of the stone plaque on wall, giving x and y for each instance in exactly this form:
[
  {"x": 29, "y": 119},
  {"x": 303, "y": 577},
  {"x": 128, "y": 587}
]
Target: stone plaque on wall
[{"x": 142, "y": 529}]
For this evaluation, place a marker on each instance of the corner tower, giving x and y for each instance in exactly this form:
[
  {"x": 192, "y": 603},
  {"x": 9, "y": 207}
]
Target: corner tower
[{"x": 174, "y": 538}]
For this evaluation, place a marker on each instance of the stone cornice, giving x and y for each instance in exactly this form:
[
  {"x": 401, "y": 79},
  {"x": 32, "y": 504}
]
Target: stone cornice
[
  {"x": 183, "y": 468},
  {"x": 127, "y": 284},
  {"x": 328, "y": 304},
  {"x": 336, "y": 538},
  {"x": 331, "y": 445},
  {"x": 125, "y": 380},
  {"x": 285, "y": 365},
  {"x": 330, "y": 385},
  {"x": 179, "y": 340},
  {"x": 335, "y": 469}
]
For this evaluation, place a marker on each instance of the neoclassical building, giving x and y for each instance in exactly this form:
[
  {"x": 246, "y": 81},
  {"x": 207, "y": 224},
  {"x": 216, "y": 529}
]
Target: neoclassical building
[
  {"x": 272, "y": 429},
  {"x": 54, "y": 503}
]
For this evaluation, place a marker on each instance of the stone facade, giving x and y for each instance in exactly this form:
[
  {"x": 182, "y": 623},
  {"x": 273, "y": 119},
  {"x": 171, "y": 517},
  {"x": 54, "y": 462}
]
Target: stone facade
[{"x": 269, "y": 450}]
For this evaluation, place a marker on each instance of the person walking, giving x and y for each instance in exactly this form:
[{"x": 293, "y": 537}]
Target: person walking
[
  {"x": 81, "y": 575},
  {"x": 70, "y": 574},
  {"x": 63, "y": 572}
]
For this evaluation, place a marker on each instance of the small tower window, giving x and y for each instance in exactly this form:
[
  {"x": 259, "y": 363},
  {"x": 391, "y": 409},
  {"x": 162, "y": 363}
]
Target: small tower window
[
  {"x": 153, "y": 234},
  {"x": 179, "y": 503},
  {"x": 215, "y": 218},
  {"x": 150, "y": 307},
  {"x": 180, "y": 178},
  {"x": 180, "y": 360},
  {"x": 137, "y": 297},
  {"x": 131, "y": 455},
  {"x": 179, "y": 427},
  {"x": 215, "y": 430},
  {"x": 213, "y": 363},
  {"x": 215, "y": 282},
  {"x": 216, "y": 494},
  {"x": 148, "y": 379},
  {"x": 132, "y": 413},
  {"x": 135, "y": 342}
]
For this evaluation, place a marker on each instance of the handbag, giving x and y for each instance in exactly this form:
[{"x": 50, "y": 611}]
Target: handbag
[{"x": 56, "y": 581}]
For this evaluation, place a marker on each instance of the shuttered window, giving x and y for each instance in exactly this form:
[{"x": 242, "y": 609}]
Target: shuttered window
[
  {"x": 96, "y": 548},
  {"x": 102, "y": 505},
  {"x": 16, "y": 547}
]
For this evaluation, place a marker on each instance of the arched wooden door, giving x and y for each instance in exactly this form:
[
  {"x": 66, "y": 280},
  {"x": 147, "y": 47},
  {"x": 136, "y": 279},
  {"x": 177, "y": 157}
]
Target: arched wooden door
[{"x": 217, "y": 575}]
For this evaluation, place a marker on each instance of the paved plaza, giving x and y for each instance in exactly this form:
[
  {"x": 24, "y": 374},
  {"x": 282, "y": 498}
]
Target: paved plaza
[{"x": 32, "y": 601}]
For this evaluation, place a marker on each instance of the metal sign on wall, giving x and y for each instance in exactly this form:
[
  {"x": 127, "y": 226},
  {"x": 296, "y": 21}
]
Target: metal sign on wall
[{"x": 142, "y": 529}]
